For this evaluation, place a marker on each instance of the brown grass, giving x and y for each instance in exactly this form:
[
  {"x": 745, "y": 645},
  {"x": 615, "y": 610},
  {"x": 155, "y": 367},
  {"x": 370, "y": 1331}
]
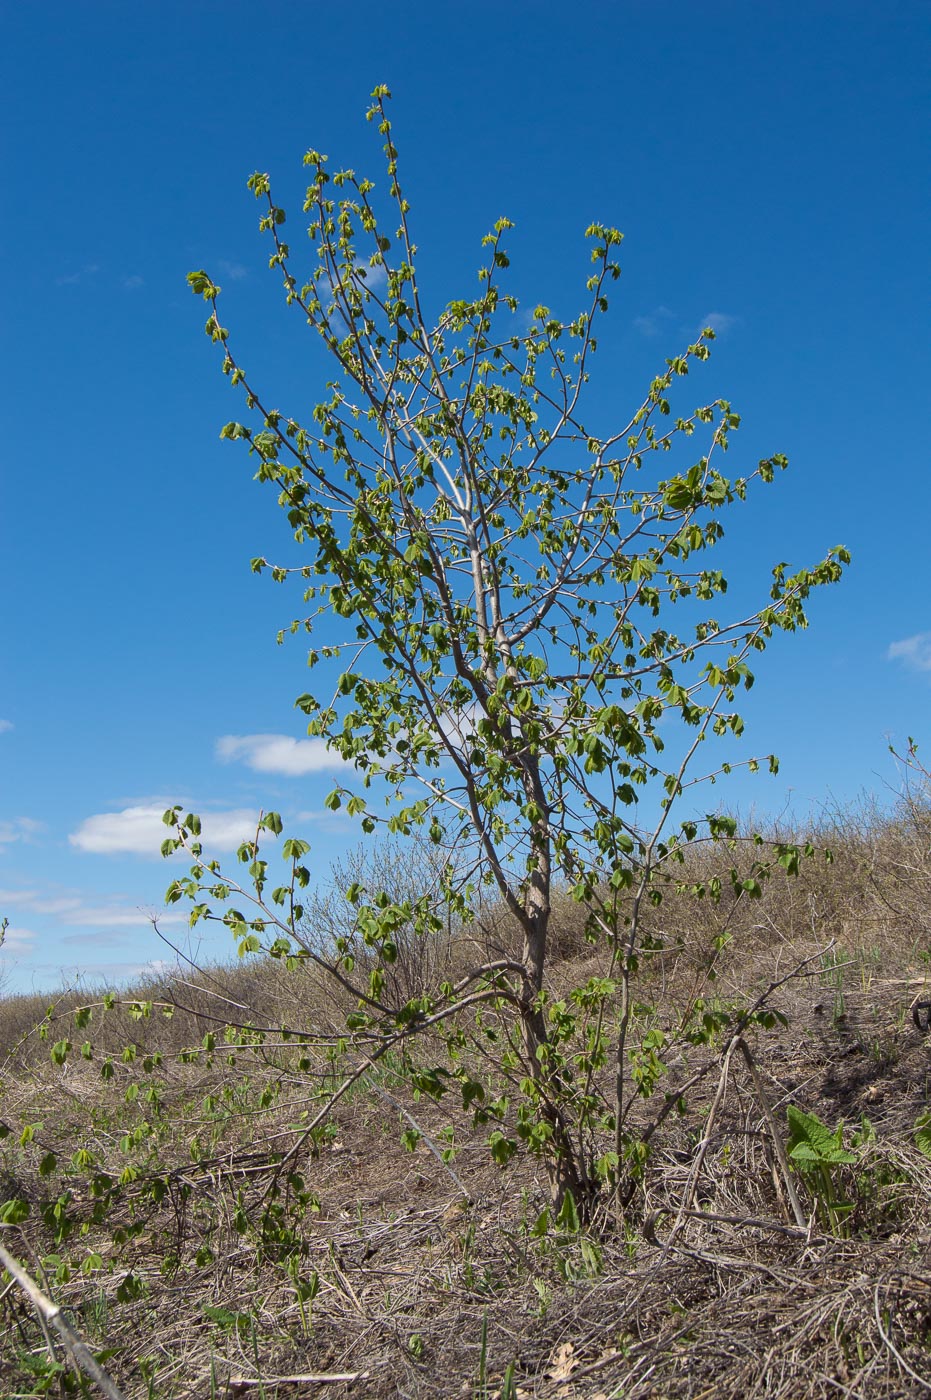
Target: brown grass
[{"x": 430, "y": 1278}]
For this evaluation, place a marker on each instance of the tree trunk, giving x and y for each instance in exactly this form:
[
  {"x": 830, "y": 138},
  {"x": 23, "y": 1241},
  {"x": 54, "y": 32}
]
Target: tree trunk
[{"x": 563, "y": 1168}]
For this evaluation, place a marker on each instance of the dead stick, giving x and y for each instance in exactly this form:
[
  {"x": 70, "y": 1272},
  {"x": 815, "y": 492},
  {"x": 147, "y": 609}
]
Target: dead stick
[
  {"x": 778, "y": 1144},
  {"x": 692, "y": 1183},
  {"x": 321, "y": 1378},
  {"x": 50, "y": 1312},
  {"x": 426, "y": 1136}
]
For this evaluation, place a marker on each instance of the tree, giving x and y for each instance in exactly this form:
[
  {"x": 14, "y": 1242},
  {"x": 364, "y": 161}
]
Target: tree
[{"x": 505, "y": 576}]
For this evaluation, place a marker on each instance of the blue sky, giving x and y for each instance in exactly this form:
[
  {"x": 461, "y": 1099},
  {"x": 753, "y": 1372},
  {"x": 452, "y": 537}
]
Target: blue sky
[{"x": 768, "y": 165}]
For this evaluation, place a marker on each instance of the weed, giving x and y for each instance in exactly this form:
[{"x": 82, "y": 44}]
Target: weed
[
  {"x": 816, "y": 1152},
  {"x": 833, "y": 965},
  {"x": 480, "y": 1390}
]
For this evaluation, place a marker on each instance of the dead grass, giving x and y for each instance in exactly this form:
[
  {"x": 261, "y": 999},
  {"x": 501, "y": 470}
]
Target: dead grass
[{"x": 435, "y": 1280}]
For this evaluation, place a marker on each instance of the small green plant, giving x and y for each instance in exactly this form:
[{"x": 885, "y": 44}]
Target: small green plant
[
  {"x": 563, "y": 1241},
  {"x": 921, "y": 1133},
  {"x": 816, "y": 1151},
  {"x": 46, "y": 1374},
  {"x": 832, "y": 973},
  {"x": 305, "y": 1291},
  {"x": 227, "y": 1320},
  {"x": 871, "y": 962},
  {"x": 149, "y": 1368},
  {"x": 480, "y": 1391}
]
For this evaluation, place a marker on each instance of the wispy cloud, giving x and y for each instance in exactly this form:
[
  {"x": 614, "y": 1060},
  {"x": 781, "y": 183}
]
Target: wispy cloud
[
  {"x": 110, "y": 973},
  {"x": 339, "y": 821},
  {"x": 16, "y": 897},
  {"x": 130, "y": 283},
  {"x": 140, "y": 831},
  {"x": 71, "y": 279},
  {"x": 371, "y": 279},
  {"x": 91, "y": 916},
  {"x": 914, "y": 652},
  {"x": 96, "y": 938},
  {"x": 39, "y": 903},
  {"x": 19, "y": 829},
  {"x": 5, "y": 726},
  {"x": 17, "y": 937},
  {"x": 720, "y": 322},
  {"x": 656, "y": 322},
  {"x": 74, "y": 911},
  {"x": 375, "y": 277},
  {"x": 278, "y": 753},
  {"x": 235, "y": 271}
]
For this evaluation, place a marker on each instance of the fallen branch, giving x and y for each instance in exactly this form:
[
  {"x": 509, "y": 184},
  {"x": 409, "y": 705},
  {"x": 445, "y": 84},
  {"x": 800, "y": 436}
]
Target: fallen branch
[
  {"x": 778, "y": 1145},
  {"x": 318, "y": 1378},
  {"x": 426, "y": 1136},
  {"x": 51, "y": 1313},
  {"x": 888, "y": 1342}
]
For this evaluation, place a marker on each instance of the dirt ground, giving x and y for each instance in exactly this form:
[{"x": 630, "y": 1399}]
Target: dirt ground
[{"x": 437, "y": 1280}]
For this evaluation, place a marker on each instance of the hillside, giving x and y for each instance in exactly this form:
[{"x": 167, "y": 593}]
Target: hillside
[{"x": 219, "y": 1244}]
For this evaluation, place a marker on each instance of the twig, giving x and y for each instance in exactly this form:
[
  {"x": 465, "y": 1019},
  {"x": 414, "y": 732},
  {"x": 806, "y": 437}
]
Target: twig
[
  {"x": 313, "y": 1378},
  {"x": 703, "y": 1146},
  {"x": 419, "y": 1130},
  {"x": 887, "y": 1341},
  {"x": 50, "y": 1312},
  {"x": 778, "y": 1144},
  {"x": 752, "y": 1223},
  {"x": 799, "y": 970}
]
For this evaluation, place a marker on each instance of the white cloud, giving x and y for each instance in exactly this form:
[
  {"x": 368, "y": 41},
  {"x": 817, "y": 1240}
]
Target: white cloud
[
  {"x": 19, "y": 829},
  {"x": 67, "y": 906},
  {"x": 108, "y": 917},
  {"x": 375, "y": 277},
  {"x": 235, "y": 271},
  {"x": 720, "y": 322},
  {"x": 278, "y": 753},
  {"x": 339, "y": 821},
  {"x": 131, "y": 282},
  {"x": 109, "y": 973},
  {"x": 141, "y": 831},
  {"x": 71, "y": 279},
  {"x": 915, "y": 651},
  {"x": 657, "y": 320},
  {"x": 98, "y": 938},
  {"x": 17, "y": 937},
  {"x": 16, "y": 897},
  {"x": 72, "y": 911},
  {"x": 5, "y": 726}
]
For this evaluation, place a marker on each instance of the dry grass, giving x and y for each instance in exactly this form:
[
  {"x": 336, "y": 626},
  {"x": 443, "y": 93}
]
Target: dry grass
[{"x": 435, "y": 1280}]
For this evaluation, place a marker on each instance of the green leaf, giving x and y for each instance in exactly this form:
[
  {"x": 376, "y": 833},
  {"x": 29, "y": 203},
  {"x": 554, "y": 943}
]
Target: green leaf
[
  {"x": 294, "y": 849},
  {"x": 922, "y": 1133},
  {"x": 811, "y": 1142},
  {"x": 568, "y": 1215},
  {"x": 14, "y": 1212}
]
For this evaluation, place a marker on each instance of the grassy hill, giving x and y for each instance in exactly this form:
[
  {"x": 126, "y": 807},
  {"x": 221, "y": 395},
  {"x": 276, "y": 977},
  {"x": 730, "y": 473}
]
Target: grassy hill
[{"x": 175, "y": 1187}]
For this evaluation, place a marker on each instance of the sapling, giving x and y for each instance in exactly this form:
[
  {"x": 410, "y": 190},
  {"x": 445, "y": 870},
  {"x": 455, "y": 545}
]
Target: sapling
[{"x": 491, "y": 562}]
